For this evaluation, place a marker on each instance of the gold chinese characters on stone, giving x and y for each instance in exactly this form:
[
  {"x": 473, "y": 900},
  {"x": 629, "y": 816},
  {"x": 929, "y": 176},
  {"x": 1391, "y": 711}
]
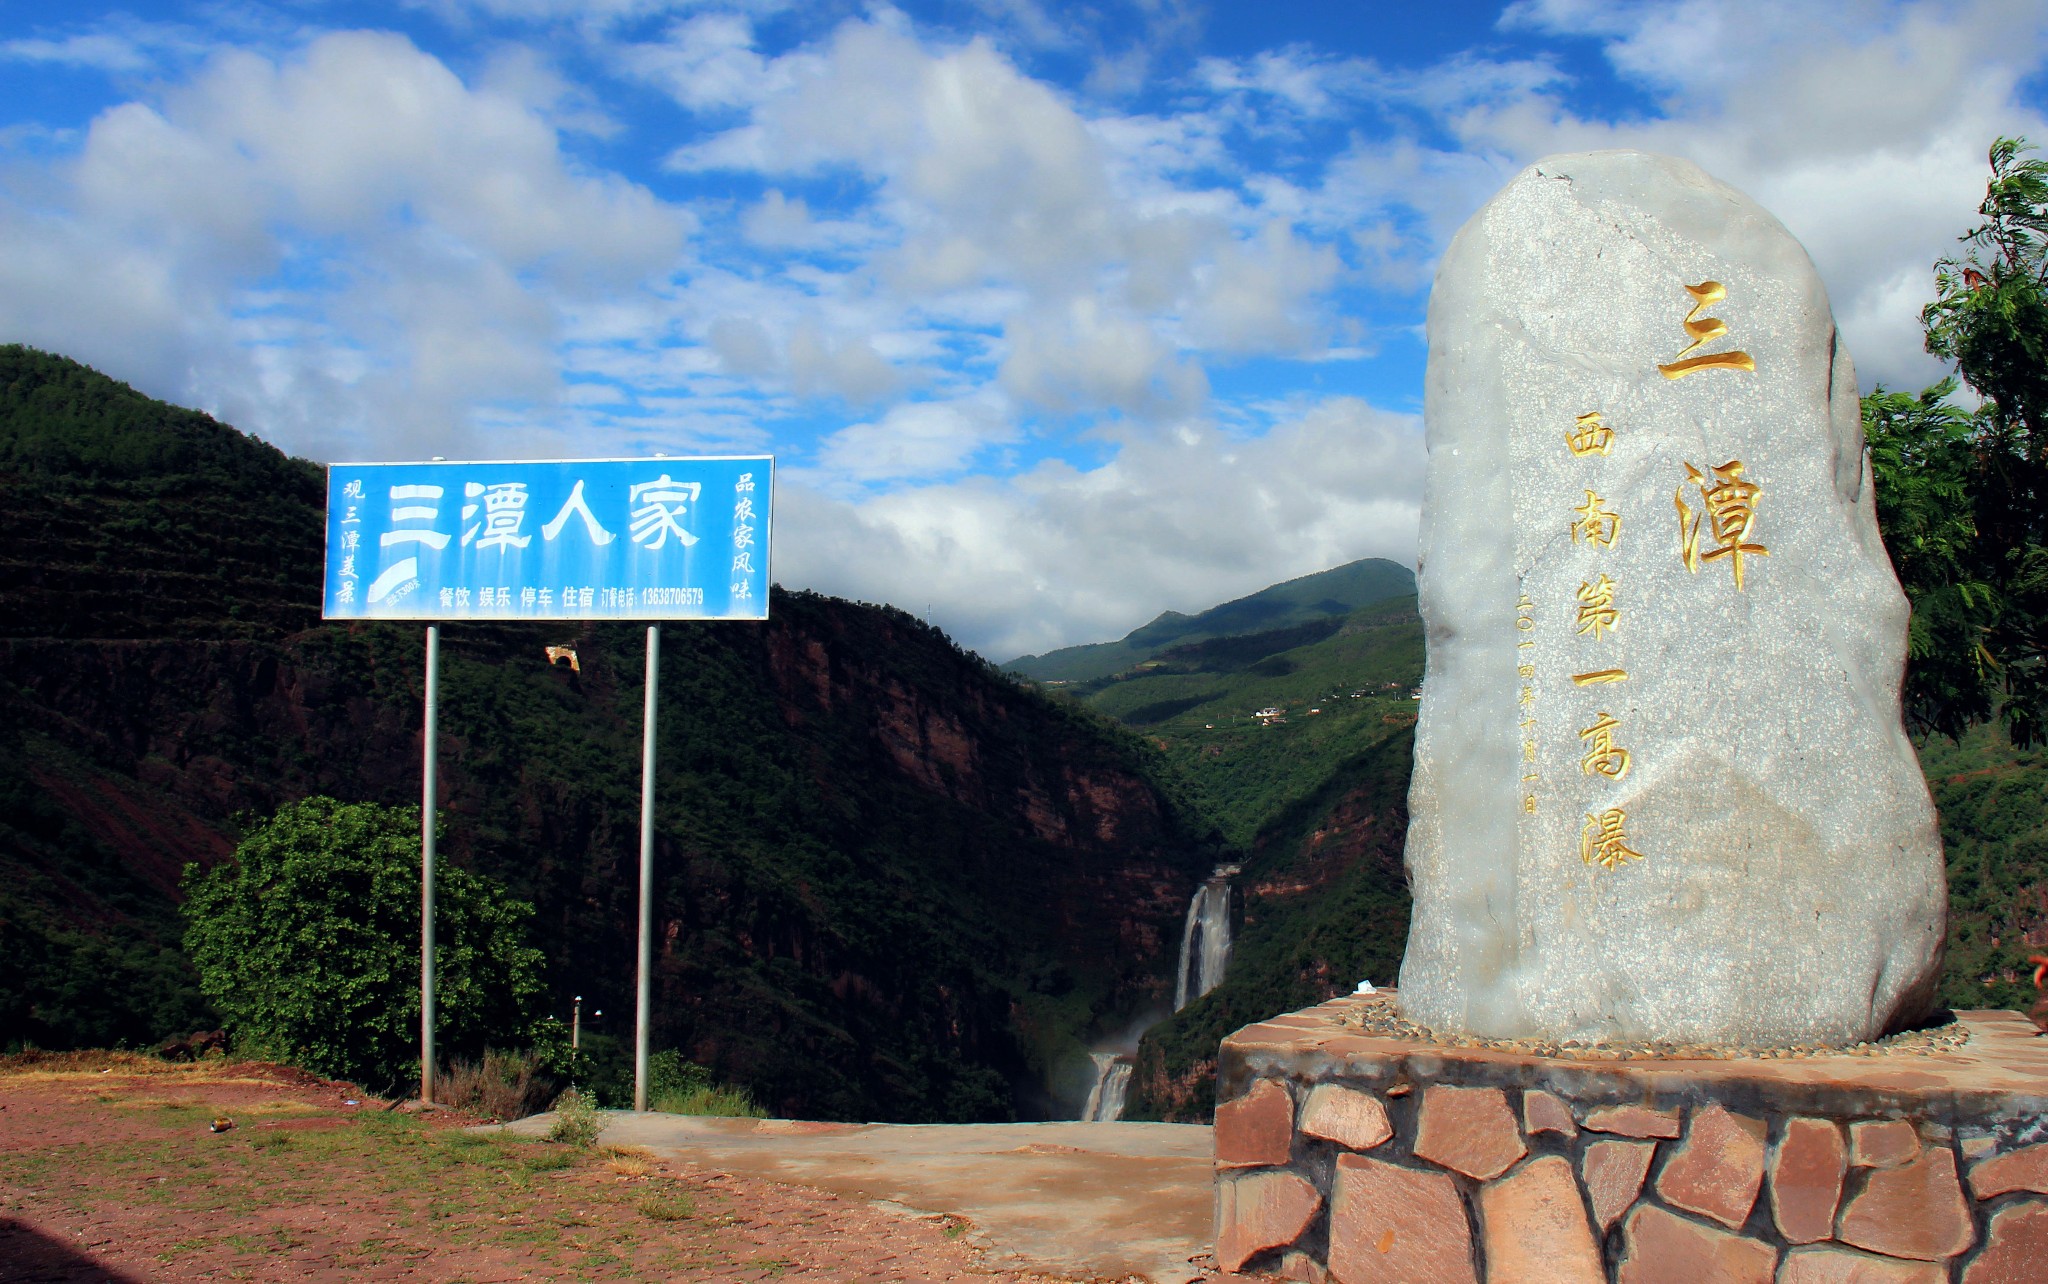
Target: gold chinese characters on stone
[
  {"x": 1525, "y": 624},
  {"x": 1704, "y": 330},
  {"x": 1603, "y": 757},
  {"x": 1597, "y": 612},
  {"x": 1729, "y": 501},
  {"x": 1590, "y": 436},
  {"x": 1595, "y": 524},
  {"x": 1604, "y": 840},
  {"x": 1598, "y": 676}
]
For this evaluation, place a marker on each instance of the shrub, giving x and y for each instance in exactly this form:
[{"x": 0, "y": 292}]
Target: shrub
[
  {"x": 710, "y": 1099},
  {"x": 679, "y": 1087},
  {"x": 576, "y": 1122},
  {"x": 502, "y": 1085},
  {"x": 308, "y": 942}
]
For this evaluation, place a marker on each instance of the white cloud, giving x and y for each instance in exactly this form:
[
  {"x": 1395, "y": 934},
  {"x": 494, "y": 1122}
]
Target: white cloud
[
  {"x": 118, "y": 44},
  {"x": 779, "y": 222},
  {"x": 1864, "y": 131},
  {"x": 1086, "y": 357},
  {"x": 743, "y": 346},
  {"x": 524, "y": 75},
  {"x": 1184, "y": 518},
  {"x": 97, "y": 50},
  {"x": 1254, "y": 297},
  {"x": 844, "y": 365},
  {"x": 708, "y": 63},
  {"x": 358, "y": 249},
  {"x": 1114, "y": 280},
  {"x": 347, "y": 248},
  {"x": 915, "y": 440}
]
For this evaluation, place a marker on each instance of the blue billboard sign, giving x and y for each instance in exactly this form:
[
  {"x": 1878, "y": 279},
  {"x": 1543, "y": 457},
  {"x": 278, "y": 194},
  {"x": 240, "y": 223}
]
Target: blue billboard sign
[{"x": 592, "y": 539}]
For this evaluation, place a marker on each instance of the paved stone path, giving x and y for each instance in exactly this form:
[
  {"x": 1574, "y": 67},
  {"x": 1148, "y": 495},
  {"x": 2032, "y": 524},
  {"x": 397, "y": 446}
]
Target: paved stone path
[{"x": 1092, "y": 1200}]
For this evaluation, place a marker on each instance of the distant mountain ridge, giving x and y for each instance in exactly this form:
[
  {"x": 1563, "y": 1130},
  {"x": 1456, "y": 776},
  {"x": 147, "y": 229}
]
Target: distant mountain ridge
[{"x": 1304, "y": 600}]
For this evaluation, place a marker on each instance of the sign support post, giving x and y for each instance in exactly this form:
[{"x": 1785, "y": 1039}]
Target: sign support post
[
  {"x": 643, "y": 1000},
  {"x": 430, "y": 744}
]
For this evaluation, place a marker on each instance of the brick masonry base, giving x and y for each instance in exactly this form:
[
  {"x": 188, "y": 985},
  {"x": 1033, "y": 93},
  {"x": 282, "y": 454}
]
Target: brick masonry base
[{"x": 1352, "y": 1157}]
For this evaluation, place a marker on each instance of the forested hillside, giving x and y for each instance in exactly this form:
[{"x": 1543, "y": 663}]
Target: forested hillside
[{"x": 893, "y": 883}]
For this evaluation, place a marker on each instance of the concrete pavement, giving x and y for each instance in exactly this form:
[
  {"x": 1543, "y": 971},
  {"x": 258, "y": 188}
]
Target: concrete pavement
[{"x": 1086, "y": 1199}]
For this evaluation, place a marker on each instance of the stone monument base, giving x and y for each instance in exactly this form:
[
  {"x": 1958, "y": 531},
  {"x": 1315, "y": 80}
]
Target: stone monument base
[{"x": 1348, "y": 1155}]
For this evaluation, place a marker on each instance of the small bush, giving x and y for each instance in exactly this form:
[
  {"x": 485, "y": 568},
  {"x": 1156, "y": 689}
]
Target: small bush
[
  {"x": 669, "y": 1075},
  {"x": 720, "y": 1099},
  {"x": 679, "y": 1087},
  {"x": 628, "y": 1161},
  {"x": 504, "y": 1085},
  {"x": 576, "y": 1122}
]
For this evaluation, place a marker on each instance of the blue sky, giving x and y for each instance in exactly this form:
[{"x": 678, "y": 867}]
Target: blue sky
[{"x": 1055, "y": 316}]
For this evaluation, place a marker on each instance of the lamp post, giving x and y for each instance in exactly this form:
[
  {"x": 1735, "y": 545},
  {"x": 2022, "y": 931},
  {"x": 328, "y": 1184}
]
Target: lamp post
[{"x": 576, "y": 1022}]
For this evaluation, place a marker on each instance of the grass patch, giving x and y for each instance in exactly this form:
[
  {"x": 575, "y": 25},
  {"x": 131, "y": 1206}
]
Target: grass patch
[
  {"x": 547, "y": 1161},
  {"x": 671, "y": 1206},
  {"x": 720, "y": 1100},
  {"x": 628, "y": 1161},
  {"x": 383, "y": 1189}
]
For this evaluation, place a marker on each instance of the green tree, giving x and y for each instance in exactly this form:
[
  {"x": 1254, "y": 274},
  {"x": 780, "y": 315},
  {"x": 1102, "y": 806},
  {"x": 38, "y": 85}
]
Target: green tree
[
  {"x": 1963, "y": 496},
  {"x": 308, "y": 942},
  {"x": 1924, "y": 459}
]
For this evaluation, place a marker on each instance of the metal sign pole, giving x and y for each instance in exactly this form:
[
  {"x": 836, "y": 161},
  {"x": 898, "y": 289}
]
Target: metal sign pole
[
  {"x": 641, "y": 1003},
  {"x": 430, "y": 742}
]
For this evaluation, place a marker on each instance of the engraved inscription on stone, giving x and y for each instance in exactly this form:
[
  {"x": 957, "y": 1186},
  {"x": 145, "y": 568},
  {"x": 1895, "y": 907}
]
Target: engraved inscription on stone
[{"x": 1661, "y": 786}]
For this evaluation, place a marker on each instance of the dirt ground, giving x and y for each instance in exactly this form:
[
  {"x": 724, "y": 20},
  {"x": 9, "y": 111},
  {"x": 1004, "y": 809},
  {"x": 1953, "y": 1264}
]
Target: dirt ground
[{"x": 110, "y": 1170}]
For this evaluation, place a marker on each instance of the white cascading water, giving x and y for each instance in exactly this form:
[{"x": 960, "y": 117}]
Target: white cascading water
[
  {"x": 1112, "y": 1081},
  {"x": 1204, "y": 953},
  {"x": 1205, "y": 941}
]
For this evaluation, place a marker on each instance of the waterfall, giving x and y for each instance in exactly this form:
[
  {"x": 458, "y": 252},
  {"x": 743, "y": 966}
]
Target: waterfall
[
  {"x": 1112, "y": 1081},
  {"x": 1204, "y": 952},
  {"x": 1205, "y": 941}
]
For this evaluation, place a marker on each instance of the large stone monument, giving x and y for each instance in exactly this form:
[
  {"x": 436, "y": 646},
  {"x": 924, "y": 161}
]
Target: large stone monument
[
  {"x": 1661, "y": 787},
  {"x": 1674, "y": 863}
]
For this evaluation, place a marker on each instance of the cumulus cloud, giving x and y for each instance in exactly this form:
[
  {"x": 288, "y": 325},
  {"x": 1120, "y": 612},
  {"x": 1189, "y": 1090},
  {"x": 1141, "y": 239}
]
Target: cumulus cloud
[
  {"x": 923, "y": 272},
  {"x": 1182, "y": 518},
  {"x": 1111, "y": 281},
  {"x": 707, "y": 63},
  {"x": 914, "y": 441},
  {"x": 348, "y": 246},
  {"x": 1085, "y": 356},
  {"x": 1863, "y": 129}
]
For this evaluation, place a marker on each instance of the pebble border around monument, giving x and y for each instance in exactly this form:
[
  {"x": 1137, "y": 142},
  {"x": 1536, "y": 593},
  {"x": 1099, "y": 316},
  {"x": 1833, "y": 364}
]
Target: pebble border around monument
[{"x": 1347, "y": 1156}]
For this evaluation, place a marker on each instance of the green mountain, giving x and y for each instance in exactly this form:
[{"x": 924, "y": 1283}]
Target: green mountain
[
  {"x": 1310, "y": 600},
  {"x": 893, "y": 883}
]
